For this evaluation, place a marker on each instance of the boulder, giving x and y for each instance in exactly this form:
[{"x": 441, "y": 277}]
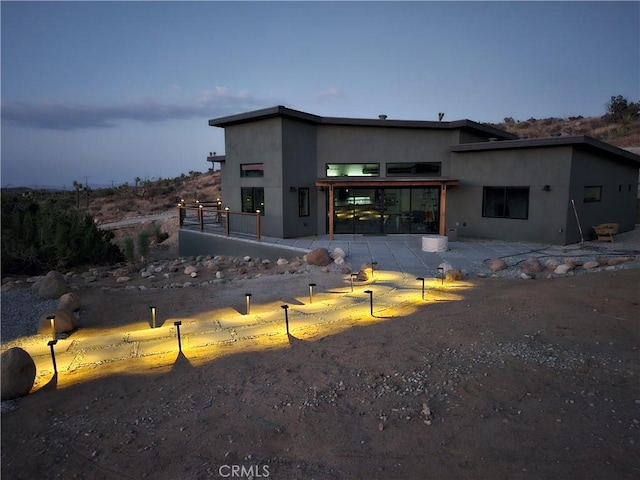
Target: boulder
[
  {"x": 531, "y": 266},
  {"x": 496, "y": 264},
  {"x": 454, "y": 275},
  {"x": 445, "y": 266},
  {"x": 65, "y": 321},
  {"x": 190, "y": 269},
  {"x": 282, "y": 261},
  {"x": 69, "y": 301},
  {"x": 573, "y": 261},
  {"x": 52, "y": 286},
  {"x": 590, "y": 265},
  {"x": 338, "y": 253},
  {"x": 121, "y": 272},
  {"x": 562, "y": 269},
  {"x": 319, "y": 257},
  {"x": 551, "y": 264},
  {"x": 122, "y": 279},
  {"x": 18, "y": 373},
  {"x": 366, "y": 272}
]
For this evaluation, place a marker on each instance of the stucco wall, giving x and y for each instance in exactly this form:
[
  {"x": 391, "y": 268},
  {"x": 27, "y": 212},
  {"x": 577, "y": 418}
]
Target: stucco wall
[
  {"x": 619, "y": 187},
  {"x": 533, "y": 168},
  {"x": 299, "y": 171},
  {"x": 354, "y": 144},
  {"x": 256, "y": 142}
]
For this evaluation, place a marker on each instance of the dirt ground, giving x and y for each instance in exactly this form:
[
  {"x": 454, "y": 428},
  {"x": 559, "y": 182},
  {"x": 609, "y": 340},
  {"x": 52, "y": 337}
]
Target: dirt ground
[{"x": 506, "y": 379}]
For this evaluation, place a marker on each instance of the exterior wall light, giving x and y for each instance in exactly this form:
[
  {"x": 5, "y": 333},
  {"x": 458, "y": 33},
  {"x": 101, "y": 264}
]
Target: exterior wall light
[{"x": 546, "y": 188}]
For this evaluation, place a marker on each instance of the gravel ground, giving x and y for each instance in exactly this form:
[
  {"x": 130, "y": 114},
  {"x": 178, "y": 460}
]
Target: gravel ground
[{"x": 21, "y": 308}]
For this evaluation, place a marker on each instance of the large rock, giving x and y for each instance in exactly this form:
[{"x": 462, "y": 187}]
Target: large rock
[
  {"x": 562, "y": 269},
  {"x": 65, "y": 321},
  {"x": 496, "y": 264},
  {"x": 319, "y": 256},
  {"x": 18, "y": 373},
  {"x": 52, "y": 286},
  {"x": 69, "y": 301},
  {"x": 366, "y": 272},
  {"x": 532, "y": 265},
  {"x": 454, "y": 275}
]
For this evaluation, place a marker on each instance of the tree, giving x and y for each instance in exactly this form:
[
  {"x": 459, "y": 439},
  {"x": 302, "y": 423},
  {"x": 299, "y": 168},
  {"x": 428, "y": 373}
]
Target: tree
[
  {"x": 78, "y": 186},
  {"x": 619, "y": 109}
]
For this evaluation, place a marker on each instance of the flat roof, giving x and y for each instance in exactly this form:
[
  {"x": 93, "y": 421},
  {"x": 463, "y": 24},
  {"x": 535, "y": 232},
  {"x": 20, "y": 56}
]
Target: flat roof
[
  {"x": 282, "y": 111},
  {"x": 579, "y": 141}
]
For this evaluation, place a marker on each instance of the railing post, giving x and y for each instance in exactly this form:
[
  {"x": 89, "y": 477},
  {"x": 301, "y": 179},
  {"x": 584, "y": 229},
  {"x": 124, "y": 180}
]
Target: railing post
[
  {"x": 258, "y": 224},
  {"x": 226, "y": 227},
  {"x": 201, "y": 217},
  {"x": 180, "y": 215}
]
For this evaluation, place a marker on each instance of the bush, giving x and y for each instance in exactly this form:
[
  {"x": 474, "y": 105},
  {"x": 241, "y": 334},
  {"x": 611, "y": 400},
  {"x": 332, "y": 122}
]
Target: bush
[
  {"x": 39, "y": 237},
  {"x": 129, "y": 250},
  {"x": 143, "y": 244}
]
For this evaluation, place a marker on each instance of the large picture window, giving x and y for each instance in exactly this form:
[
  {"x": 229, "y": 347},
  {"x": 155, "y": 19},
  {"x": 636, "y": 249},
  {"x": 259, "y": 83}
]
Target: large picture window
[
  {"x": 505, "y": 202},
  {"x": 353, "y": 169},
  {"x": 415, "y": 169},
  {"x": 252, "y": 170},
  {"x": 252, "y": 199}
]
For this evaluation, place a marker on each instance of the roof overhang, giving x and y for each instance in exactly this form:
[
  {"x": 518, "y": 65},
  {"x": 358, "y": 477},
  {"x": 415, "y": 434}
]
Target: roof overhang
[
  {"x": 385, "y": 182},
  {"x": 284, "y": 112},
  {"x": 578, "y": 141}
]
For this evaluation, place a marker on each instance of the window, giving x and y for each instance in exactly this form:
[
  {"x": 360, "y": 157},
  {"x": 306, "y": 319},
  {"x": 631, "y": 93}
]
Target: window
[
  {"x": 303, "y": 202},
  {"x": 353, "y": 169},
  {"x": 252, "y": 199},
  {"x": 592, "y": 194},
  {"x": 252, "y": 170},
  {"x": 421, "y": 169},
  {"x": 505, "y": 202}
]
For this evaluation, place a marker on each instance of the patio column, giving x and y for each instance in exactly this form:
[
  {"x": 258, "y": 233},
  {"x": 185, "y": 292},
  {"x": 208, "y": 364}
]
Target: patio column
[{"x": 442, "y": 229}]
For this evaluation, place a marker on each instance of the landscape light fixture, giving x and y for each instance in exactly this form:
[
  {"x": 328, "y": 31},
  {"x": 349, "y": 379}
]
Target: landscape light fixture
[
  {"x": 311, "y": 285},
  {"x": 373, "y": 269},
  {"x": 53, "y": 355},
  {"x": 419, "y": 279},
  {"x": 52, "y": 319},
  {"x": 153, "y": 316},
  {"x": 370, "y": 292},
  {"x": 286, "y": 316},
  {"x": 441, "y": 273},
  {"x": 177, "y": 324},
  {"x": 353, "y": 275},
  {"x": 248, "y": 297}
]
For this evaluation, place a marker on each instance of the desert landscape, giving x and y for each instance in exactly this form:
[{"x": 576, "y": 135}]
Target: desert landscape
[
  {"x": 499, "y": 379},
  {"x": 485, "y": 378}
]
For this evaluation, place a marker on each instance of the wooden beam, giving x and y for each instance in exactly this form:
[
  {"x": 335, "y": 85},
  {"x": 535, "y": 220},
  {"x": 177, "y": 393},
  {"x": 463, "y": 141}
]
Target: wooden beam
[{"x": 442, "y": 229}]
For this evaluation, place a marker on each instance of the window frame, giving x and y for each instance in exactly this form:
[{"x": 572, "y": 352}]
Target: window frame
[
  {"x": 303, "y": 202},
  {"x": 244, "y": 170},
  {"x": 505, "y": 201},
  {"x": 345, "y": 166},
  {"x": 415, "y": 166},
  {"x": 596, "y": 190}
]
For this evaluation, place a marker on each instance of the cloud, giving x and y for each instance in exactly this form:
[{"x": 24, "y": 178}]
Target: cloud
[
  {"x": 330, "y": 93},
  {"x": 69, "y": 116}
]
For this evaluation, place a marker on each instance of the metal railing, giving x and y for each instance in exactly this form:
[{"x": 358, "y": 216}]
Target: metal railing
[{"x": 211, "y": 215}]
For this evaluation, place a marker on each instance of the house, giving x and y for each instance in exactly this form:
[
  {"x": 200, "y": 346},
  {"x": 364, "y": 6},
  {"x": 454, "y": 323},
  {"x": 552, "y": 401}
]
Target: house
[{"x": 312, "y": 175}]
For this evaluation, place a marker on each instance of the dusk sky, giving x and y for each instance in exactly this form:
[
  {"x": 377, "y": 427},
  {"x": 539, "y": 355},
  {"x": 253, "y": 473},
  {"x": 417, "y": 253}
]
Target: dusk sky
[{"x": 111, "y": 91}]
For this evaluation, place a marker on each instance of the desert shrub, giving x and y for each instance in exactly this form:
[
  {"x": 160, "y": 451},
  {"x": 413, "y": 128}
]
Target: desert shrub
[
  {"x": 144, "y": 242},
  {"x": 38, "y": 237},
  {"x": 129, "y": 250},
  {"x": 158, "y": 235}
]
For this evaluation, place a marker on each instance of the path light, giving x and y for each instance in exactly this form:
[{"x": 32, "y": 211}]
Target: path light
[
  {"x": 52, "y": 319},
  {"x": 370, "y": 292},
  {"x": 311, "y": 285},
  {"x": 353, "y": 275},
  {"x": 153, "y": 316},
  {"x": 420, "y": 278},
  {"x": 248, "y": 297},
  {"x": 177, "y": 324},
  {"x": 441, "y": 273},
  {"x": 373, "y": 269},
  {"x": 286, "y": 316},
  {"x": 53, "y": 355}
]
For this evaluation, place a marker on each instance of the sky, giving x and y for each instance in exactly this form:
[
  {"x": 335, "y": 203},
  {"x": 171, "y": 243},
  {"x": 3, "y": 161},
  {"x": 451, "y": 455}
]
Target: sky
[{"x": 104, "y": 92}]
